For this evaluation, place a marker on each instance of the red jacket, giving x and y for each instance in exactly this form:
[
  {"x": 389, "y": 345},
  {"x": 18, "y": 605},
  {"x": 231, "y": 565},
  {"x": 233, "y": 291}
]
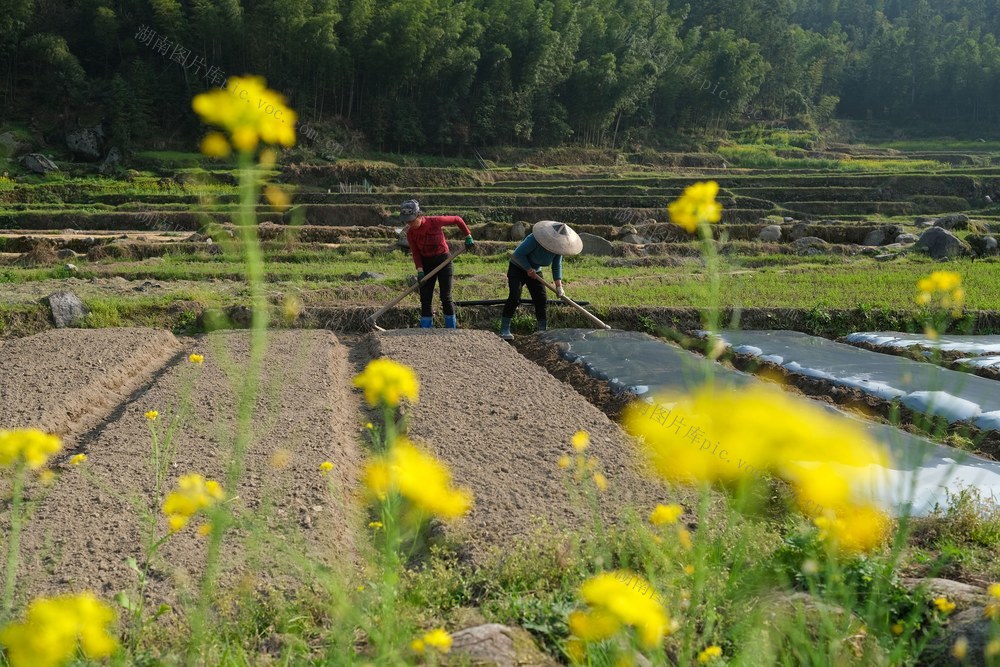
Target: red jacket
[{"x": 427, "y": 240}]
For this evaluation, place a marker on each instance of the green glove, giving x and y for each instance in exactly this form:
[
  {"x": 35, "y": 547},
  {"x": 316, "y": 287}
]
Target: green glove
[
  {"x": 468, "y": 241},
  {"x": 420, "y": 275}
]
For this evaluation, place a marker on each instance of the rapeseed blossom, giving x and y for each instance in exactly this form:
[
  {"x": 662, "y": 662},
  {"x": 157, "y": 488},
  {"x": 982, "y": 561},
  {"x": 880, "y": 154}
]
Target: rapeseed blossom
[
  {"x": 151, "y": 415},
  {"x": 709, "y": 654},
  {"x": 386, "y": 382},
  {"x": 29, "y": 446},
  {"x": 696, "y": 205},
  {"x": 665, "y": 514},
  {"x": 613, "y": 604},
  {"x": 249, "y": 112},
  {"x": 77, "y": 459},
  {"x": 438, "y": 639},
  {"x": 196, "y": 359},
  {"x": 853, "y": 529},
  {"x": 418, "y": 477},
  {"x": 194, "y": 494},
  {"x": 942, "y": 290},
  {"x": 54, "y": 627}
]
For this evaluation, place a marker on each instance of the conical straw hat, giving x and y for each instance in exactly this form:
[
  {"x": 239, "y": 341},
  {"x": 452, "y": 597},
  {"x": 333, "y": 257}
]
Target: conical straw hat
[{"x": 557, "y": 237}]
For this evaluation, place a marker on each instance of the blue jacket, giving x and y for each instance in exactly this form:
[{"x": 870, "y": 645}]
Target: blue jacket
[{"x": 531, "y": 254}]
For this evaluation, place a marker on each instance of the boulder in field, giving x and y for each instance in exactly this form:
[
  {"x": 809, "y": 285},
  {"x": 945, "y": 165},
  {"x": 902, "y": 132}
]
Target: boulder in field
[
  {"x": 800, "y": 230},
  {"x": 496, "y": 645},
  {"x": 596, "y": 245},
  {"x": 519, "y": 230},
  {"x": 906, "y": 238},
  {"x": 11, "y": 146},
  {"x": 37, "y": 163},
  {"x": 809, "y": 245},
  {"x": 982, "y": 246},
  {"x": 67, "y": 309},
  {"x": 66, "y": 253},
  {"x": 86, "y": 143},
  {"x": 939, "y": 243},
  {"x": 953, "y": 221},
  {"x": 770, "y": 234},
  {"x": 634, "y": 239},
  {"x": 111, "y": 161}
]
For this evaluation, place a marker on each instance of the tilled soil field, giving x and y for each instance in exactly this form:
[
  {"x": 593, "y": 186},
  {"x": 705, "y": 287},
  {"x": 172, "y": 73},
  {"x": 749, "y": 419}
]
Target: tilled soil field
[
  {"x": 89, "y": 521},
  {"x": 502, "y": 422}
]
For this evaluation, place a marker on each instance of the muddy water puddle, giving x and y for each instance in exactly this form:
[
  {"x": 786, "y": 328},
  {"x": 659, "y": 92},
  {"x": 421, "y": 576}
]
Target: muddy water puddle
[{"x": 921, "y": 473}]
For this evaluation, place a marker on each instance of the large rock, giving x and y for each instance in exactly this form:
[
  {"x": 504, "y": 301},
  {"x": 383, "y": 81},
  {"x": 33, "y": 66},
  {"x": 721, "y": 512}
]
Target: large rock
[
  {"x": 770, "y": 234},
  {"x": 983, "y": 246},
  {"x": 519, "y": 230},
  {"x": 38, "y": 163},
  {"x": 11, "y": 146},
  {"x": 112, "y": 161},
  {"x": 634, "y": 239},
  {"x": 970, "y": 625},
  {"x": 953, "y": 221},
  {"x": 906, "y": 238},
  {"x": 67, "y": 309},
  {"x": 882, "y": 235},
  {"x": 961, "y": 594},
  {"x": 86, "y": 143},
  {"x": 809, "y": 245},
  {"x": 496, "y": 645},
  {"x": 800, "y": 230},
  {"x": 596, "y": 245},
  {"x": 939, "y": 243}
]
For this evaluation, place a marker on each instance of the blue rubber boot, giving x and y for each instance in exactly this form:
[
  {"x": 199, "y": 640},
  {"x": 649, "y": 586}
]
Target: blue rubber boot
[
  {"x": 426, "y": 322},
  {"x": 449, "y": 322},
  {"x": 505, "y": 329},
  {"x": 542, "y": 325}
]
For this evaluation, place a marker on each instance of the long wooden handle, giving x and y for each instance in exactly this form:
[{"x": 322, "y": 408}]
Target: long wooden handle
[
  {"x": 590, "y": 316},
  {"x": 415, "y": 286}
]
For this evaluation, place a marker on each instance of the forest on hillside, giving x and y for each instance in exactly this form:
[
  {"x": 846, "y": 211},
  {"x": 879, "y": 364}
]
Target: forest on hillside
[{"x": 447, "y": 75}]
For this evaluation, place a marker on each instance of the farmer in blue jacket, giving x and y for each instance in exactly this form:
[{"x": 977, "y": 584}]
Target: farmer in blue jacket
[{"x": 544, "y": 246}]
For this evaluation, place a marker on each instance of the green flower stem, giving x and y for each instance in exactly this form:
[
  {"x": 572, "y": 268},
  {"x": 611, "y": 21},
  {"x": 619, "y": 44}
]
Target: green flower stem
[{"x": 13, "y": 542}]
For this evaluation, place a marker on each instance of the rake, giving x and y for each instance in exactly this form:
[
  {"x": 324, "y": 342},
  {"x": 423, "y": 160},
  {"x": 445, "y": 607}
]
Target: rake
[{"x": 412, "y": 288}]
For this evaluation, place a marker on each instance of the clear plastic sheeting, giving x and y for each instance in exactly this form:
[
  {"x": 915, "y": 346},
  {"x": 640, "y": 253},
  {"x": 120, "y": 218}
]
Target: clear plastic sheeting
[
  {"x": 920, "y": 386},
  {"x": 920, "y": 475},
  {"x": 973, "y": 346}
]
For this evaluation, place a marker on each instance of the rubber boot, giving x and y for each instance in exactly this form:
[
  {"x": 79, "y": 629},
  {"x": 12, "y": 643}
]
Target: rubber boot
[
  {"x": 505, "y": 329},
  {"x": 449, "y": 322},
  {"x": 426, "y": 322},
  {"x": 542, "y": 325}
]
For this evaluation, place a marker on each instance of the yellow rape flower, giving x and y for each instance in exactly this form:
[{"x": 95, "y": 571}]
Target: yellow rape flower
[
  {"x": 684, "y": 537},
  {"x": 46, "y": 477},
  {"x": 280, "y": 459},
  {"x": 77, "y": 459},
  {"x": 193, "y": 494},
  {"x": 944, "y": 605},
  {"x": 54, "y": 627},
  {"x": 580, "y": 441},
  {"x": 689, "y": 570},
  {"x": 565, "y": 462},
  {"x": 29, "y": 446},
  {"x": 853, "y": 529},
  {"x": 696, "y": 205},
  {"x": 600, "y": 481},
  {"x": 960, "y": 649},
  {"x": 942, "y": 290},
  {"x": 993, "y": 648},
  {"x": 374, "y": 525},
  {"x": 249, "y": 112},
  {"x": 151, "y": 415},
  {"x": 665, "y": 514},
  {"x": 437, "y": 639},
  {"x": 418, "y": 477},
  {"x": 619, "y": 599},
  {"x": 277, "y": 197},
  {"x": 728, "y": 435},
  {"x": 215, "y": 145},
  {"x": 897, "y": 628},
  {"x": 386, "y": 382},
  {"x": 325, "y": 467},
  {"x": 196, "y": 359},
  {"x": 994, "y": 591},
  {"x": 709, "y": 654}
]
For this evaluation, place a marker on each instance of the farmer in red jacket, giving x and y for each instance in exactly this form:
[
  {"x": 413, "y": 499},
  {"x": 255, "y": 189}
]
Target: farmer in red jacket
[{"x": 429, "y": 249}]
